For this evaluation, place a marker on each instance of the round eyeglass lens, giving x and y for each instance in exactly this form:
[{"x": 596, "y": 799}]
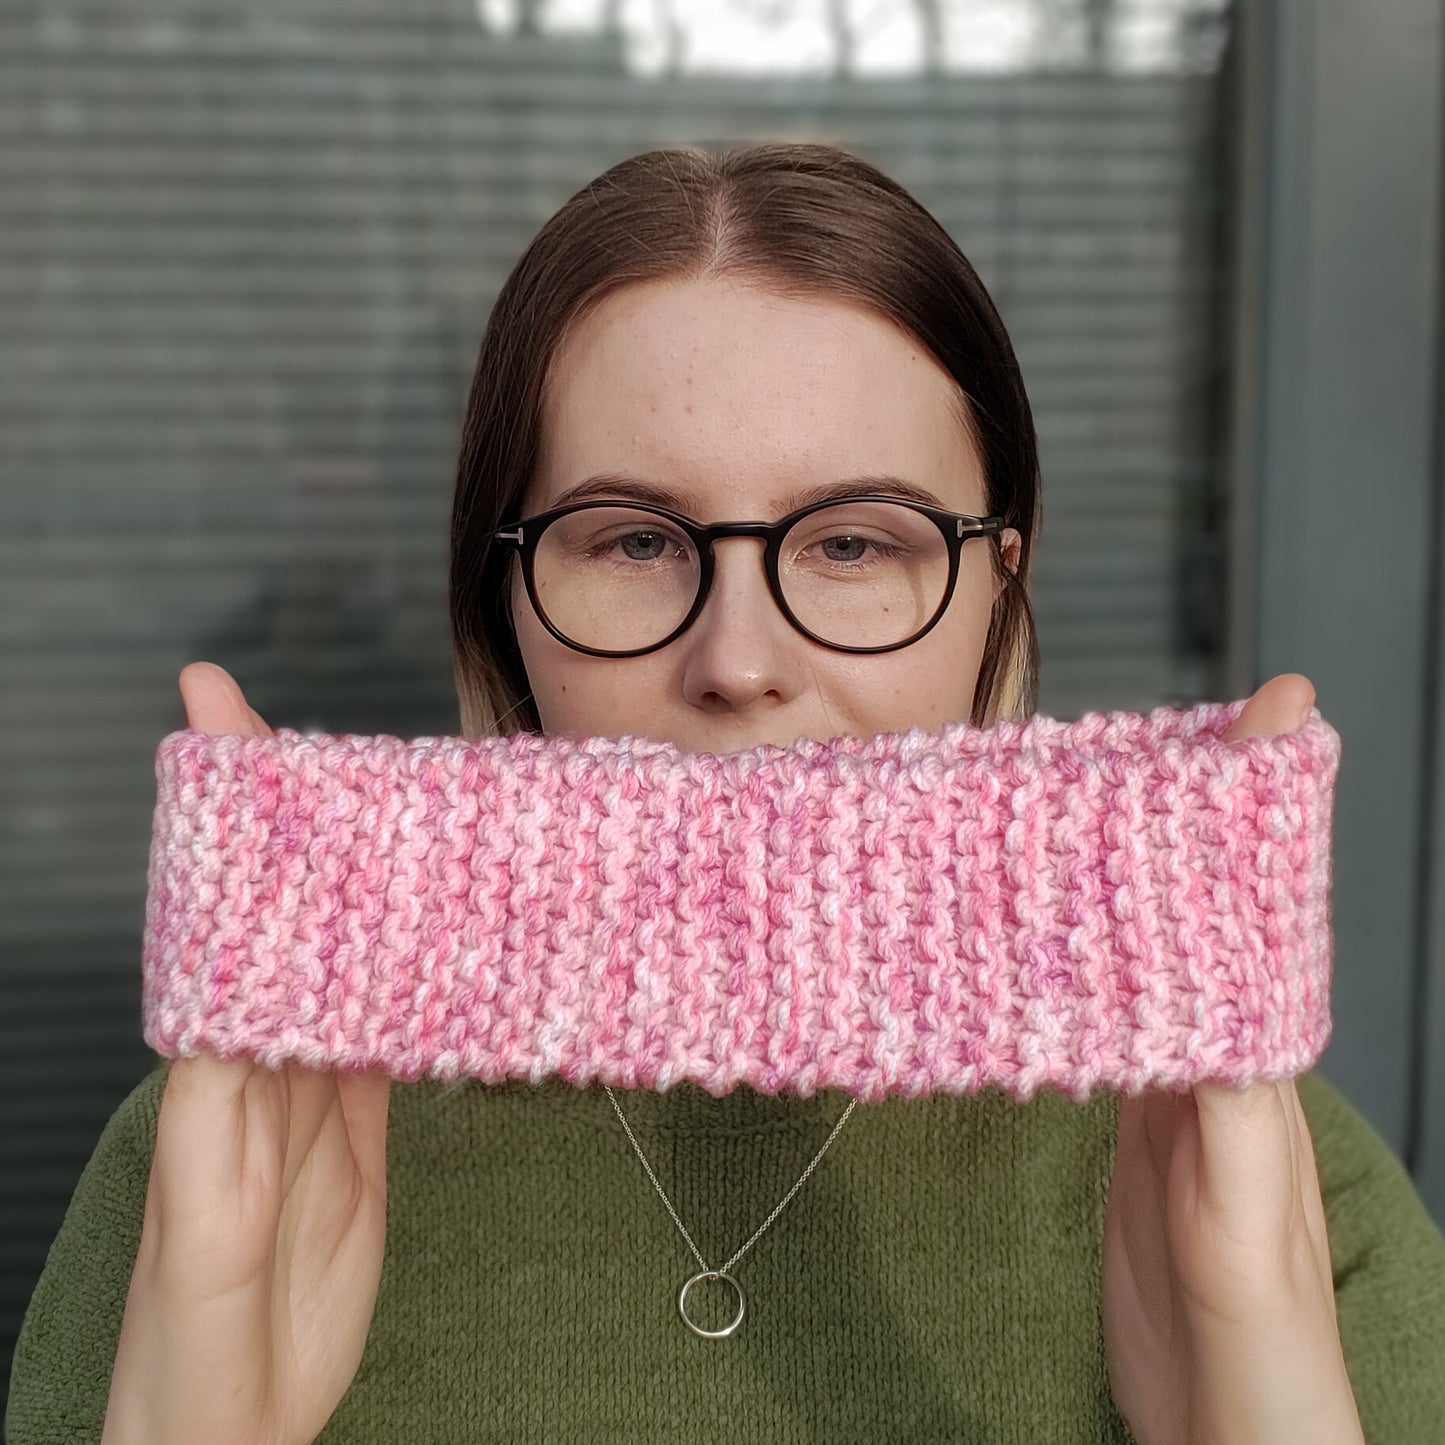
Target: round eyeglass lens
[
  {"x": 614, "y": 578},
  {"x": 864, "y": 574},
  {"x": 859, "y": 574}
]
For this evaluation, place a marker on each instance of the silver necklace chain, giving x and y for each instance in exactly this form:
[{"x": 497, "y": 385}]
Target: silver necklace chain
[{"x": 703, "y": 1271}]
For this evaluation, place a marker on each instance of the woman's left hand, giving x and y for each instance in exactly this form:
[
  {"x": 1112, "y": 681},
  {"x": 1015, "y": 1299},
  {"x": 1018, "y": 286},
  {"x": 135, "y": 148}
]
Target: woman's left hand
[{"x": 1218, "y": 1296}]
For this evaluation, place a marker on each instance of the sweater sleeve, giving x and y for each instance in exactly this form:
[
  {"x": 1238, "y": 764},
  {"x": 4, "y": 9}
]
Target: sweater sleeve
[
  {"x": 65, "y": 1352},
  {"x": 1388, "y": 1258}
]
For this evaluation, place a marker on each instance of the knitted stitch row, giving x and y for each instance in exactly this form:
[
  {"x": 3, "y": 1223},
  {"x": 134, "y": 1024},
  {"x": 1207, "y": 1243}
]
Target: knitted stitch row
[{"x": 1124, "y": 901}]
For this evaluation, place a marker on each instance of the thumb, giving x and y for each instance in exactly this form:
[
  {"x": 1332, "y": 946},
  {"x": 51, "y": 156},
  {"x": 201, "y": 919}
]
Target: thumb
[
  {"x": 1279, "y": 706},
  {"x": 215, "y": 703}
]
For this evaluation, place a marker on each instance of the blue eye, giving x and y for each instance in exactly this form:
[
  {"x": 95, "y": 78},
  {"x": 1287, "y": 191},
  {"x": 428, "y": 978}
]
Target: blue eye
[{"x": 649, "y": 538}]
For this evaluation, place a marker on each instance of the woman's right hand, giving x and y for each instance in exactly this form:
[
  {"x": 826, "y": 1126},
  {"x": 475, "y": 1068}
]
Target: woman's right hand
[{"x": 260, "y": 1254}]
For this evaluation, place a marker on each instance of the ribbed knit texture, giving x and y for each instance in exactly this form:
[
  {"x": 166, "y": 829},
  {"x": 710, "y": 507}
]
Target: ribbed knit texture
[
  {"x": 1124, "y": 901},
  {"x": 936, "y": 1279}
]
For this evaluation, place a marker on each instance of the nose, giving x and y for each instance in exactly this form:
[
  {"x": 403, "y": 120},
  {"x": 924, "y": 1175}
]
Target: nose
[{"x": 740, "y": 648}]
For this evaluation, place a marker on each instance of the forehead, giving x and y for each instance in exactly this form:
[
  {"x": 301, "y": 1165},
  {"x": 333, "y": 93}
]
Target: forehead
[{"x": 737, "y": 396}]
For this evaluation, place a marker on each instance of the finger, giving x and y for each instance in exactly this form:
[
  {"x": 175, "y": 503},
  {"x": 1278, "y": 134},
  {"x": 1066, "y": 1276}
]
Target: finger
[
  {"x": 1313, "y": 1201},
  {"x": 366, "y": 1101},
  {"x": 215, "y": 704},
  {"x": 1247, "y": 1175},
  {"x": 1164, "y": 1113},
  {"x": 1280, "y": 706},
  {"x": 199, "y": 1131}
]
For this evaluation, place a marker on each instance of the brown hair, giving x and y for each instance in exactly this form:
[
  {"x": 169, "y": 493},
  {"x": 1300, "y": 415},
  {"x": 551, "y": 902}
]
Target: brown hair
[{"x": 802, "y": 219}]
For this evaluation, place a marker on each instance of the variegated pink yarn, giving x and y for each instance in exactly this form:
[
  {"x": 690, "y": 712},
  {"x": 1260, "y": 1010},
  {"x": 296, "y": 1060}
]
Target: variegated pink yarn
[{"x": 1124, "y": 901}]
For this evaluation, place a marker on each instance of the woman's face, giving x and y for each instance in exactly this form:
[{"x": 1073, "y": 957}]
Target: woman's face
[{"x": 735, "y": 398}]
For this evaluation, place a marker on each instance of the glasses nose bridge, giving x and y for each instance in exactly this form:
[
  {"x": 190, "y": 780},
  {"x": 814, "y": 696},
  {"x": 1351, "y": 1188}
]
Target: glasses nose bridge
[
  {"x": 720, "y": 530},
  {"x": 767, "y": 532}
]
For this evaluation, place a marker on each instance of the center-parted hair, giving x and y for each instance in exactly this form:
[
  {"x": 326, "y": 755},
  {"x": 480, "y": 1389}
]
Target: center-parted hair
[{"x": 802, "y": 219}]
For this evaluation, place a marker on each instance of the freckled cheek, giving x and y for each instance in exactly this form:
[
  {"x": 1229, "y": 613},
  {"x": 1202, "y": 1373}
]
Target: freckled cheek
[
  {"x": 605, "y": 697},
  {"x": 875, "y": 693},
  {"x": 939, "y": 677}
]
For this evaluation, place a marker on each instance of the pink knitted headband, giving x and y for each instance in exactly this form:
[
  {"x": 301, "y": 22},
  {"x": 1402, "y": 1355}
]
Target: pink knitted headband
[{"x": 1118, "y": 902}]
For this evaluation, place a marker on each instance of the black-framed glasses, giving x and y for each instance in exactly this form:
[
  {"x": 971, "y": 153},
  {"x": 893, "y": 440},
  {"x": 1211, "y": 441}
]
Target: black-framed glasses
[{"x": 869, "y": 573}]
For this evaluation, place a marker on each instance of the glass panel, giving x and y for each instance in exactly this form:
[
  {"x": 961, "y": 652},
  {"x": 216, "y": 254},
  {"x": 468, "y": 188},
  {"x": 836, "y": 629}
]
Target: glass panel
[{"x": 246, "y": 268}]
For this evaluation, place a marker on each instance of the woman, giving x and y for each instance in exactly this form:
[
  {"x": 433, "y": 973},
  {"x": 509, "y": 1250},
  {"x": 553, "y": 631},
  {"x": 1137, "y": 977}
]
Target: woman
[{"x": 735, "y": 338}]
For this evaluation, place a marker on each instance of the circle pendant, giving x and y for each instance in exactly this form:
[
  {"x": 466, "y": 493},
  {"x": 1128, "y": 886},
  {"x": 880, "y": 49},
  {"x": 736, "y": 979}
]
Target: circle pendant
[{"x": 697, "y": 1329}]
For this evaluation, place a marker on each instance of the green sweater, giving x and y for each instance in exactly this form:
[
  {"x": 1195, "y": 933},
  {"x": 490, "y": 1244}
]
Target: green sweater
[{"x": 936, "y": 1278}]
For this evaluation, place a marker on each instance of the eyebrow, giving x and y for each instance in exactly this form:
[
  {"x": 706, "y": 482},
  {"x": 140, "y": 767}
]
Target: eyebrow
[{"x": 619, "y": 484}]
